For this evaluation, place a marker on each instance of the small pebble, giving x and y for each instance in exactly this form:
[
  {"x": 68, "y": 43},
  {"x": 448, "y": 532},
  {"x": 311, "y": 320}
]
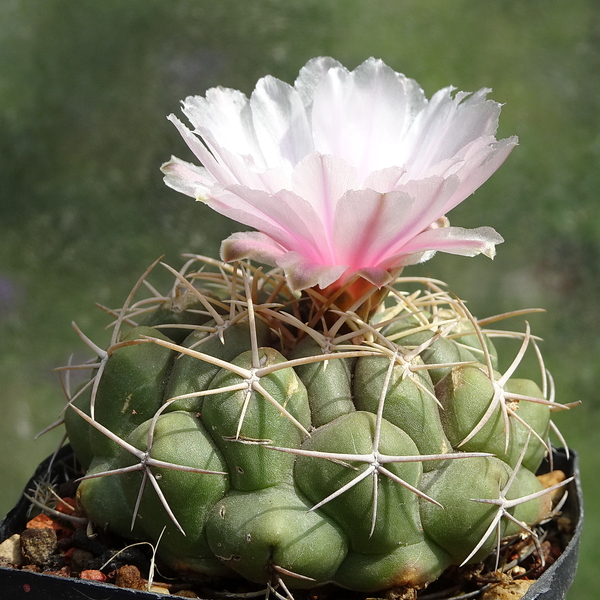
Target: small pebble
[
  {"x": 81, "y": 559},
  {"x": 81, "y": 540},
  {"x": 65, "y": 544},
  {"x": 129, "y": 576},
  {"x": 43, "y": 521},
  {"x": 550, "y": 479},
  {"x": 67, "y": 506},
  {"x": 37, "y": 545},
  {"x": 5, "y": 563},
  {"x": 55, "y": 562},
  {"x": 514, "y": 590},
  {"x": 159, "y": 589},
  {"x": 10, "y": 549},
  {"x": 93, "y": 575}
]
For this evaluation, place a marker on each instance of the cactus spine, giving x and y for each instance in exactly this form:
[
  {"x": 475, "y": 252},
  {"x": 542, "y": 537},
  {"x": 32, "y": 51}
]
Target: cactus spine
[{"x": 270, "y": 435}]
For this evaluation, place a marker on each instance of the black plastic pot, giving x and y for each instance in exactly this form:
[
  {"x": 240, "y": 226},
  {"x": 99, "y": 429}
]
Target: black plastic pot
[
  {"x": 24, "y": 585},
  {"x": 556, "y": 581}
]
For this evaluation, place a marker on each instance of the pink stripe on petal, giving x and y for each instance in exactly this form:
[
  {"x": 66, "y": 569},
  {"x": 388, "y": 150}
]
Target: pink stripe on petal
[
  {"x": 302, "y": 273},
  {"x": 291, "y": 220},
  {"x": 432, "y": 196},
  {"x": 241, "y": 208},
  {"x": 322, "y": 180},
  {"x": 365, "y": 221},
  {"x": 370, "y": 227}
]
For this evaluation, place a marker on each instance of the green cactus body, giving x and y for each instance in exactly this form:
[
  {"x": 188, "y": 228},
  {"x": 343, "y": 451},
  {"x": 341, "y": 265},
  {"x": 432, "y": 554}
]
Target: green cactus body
[
  {"x": 409, "y": 333},
  {"x": 467, "y": 394},
  {"x": 252, "y": 466},
  {"x": 180, "y": 312},
  {"x": 179, "y": 438},
  {"x": 254, "y": 532},
  {"x": 245, "y": 446},
  {"x": 191, "y": 375},
  {"x": 105, "y": 499},
  {"x": 397, "y": 517},
  {"x": 458, "y": 527},
  {"x": 411, "y": 566},
  {"x": 410, "y": 402},
  {"x": 131, "y": 387},
  {"x": 328, "y": 383}
]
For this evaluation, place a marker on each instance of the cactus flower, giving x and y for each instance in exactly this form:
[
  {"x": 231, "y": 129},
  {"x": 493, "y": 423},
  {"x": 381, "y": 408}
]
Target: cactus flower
[{"x": 345, "y": 174}]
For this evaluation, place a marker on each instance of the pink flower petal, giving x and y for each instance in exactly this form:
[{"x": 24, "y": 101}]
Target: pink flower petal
[
  {"x": 322, "y": 180},
  {"x": 287, "y": 218},
  {"x": 454, "y": 240},
  {"x": 370, "y": 226},
  {"x": 251, "y": 244},
  {"x": 384, "y": 180},
  {"x": 302, "y": 273}
]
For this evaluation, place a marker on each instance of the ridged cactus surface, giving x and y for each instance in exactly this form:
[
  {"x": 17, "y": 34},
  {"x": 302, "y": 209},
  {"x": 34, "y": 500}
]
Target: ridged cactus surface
[{"x": 244, "y": 429}]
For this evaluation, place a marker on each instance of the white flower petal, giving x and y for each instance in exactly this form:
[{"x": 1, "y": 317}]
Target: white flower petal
[
  {"x": 227, "y": 115},
  {"x": 217, "y": 170},
  {"x": 187, "y": 178},
  {"x": 445, "y": 126},
  {"x": 242, "y": 170},
  {"x": 280, "y": 122},
  {"x": 384, "y": 180},
  {"x": 479, "y": 169},
  {"x": 362, "y": 116},
  {"x": 311, "y": 75}
]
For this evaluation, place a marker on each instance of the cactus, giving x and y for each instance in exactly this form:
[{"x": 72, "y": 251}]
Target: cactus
[
  {"x": 326, "y": 420},
  {"x": 249, "y": 430}
]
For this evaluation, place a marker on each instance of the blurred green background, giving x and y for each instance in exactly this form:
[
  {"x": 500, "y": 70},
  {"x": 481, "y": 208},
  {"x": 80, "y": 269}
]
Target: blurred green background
[{"x": 84, "y": 90}]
